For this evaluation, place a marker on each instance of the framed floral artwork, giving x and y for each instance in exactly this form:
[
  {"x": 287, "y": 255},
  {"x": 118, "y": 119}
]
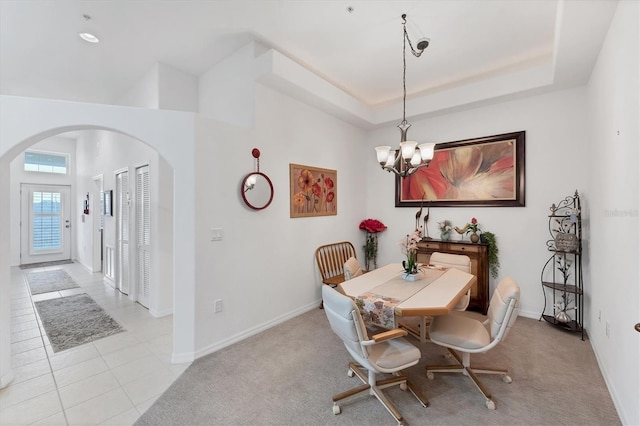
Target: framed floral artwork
[
  {"x": 486, "y": 171},
  {"x": 313, "y": 191}
]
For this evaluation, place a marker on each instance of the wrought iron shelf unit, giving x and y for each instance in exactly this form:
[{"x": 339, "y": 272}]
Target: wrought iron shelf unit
[
  {"x": 558, "y": 286},
  {"x": 561, "y": 275}
]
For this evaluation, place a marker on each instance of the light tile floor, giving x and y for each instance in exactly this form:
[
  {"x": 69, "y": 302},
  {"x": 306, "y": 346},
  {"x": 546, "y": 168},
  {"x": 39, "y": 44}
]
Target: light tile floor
[{"x": 110, "y": 381}]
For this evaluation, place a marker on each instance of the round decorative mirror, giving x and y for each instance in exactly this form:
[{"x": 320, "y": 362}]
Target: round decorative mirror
[
  {"x": 257, "y": 190},
  {"x": 256, "y": 187}
]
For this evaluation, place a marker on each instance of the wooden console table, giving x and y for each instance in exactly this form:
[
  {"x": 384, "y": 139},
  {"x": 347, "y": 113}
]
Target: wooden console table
[{"x": 479, "y": 255}]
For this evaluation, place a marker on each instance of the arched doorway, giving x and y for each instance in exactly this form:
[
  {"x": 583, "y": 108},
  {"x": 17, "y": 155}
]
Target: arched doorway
[{"x": 26, "y": 121}]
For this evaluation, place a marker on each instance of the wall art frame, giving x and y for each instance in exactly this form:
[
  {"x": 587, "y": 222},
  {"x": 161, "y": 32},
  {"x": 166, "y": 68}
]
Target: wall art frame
[
  {"x": 313, "y": 191},
  {"x": 481, "y": 172}
]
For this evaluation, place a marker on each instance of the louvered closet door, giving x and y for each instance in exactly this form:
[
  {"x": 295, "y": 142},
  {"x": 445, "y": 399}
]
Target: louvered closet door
[
  {"x": 143, "y": 233},
  {"x": 122, "y": 231}
]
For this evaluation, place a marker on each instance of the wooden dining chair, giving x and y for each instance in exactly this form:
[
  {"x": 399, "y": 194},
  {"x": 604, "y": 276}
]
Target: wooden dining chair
[{"x": 331, "y": 259}]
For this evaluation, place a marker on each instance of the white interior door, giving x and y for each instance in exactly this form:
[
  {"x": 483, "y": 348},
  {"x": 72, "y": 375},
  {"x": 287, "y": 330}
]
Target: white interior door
[
  {"x": 122, "y": 231},
  {"x": 143, "y": 234},
  {"x": 98, "y": 226},
  {"x": 45, "y": 227}
]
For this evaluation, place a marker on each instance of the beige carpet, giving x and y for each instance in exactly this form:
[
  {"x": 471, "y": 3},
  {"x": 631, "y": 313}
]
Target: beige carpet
[{"x": 287, "y": 375}]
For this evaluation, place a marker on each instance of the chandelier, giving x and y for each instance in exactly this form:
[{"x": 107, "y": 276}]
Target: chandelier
[{"x": 410, "y": 157}]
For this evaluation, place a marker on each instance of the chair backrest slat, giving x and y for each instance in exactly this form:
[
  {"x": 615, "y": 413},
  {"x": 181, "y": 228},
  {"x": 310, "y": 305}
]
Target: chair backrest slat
[{"x": 331, "y": 258}]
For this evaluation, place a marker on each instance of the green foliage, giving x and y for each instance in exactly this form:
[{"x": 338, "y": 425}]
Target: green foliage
[{"x": 494, "y": 261}]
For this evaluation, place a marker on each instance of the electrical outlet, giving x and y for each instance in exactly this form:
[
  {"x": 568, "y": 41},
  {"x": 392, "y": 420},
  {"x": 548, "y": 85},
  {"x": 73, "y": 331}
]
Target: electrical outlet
[
  {"x": 217, "y": 306},
  {"x": 607, "y": 329},
  {"x": 216, "y": 234}
]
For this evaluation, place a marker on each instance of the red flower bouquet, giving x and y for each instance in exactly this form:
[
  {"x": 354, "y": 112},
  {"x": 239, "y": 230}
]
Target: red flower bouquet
[
  {"x": 372, "y": 226},
  {"x": 370, "y": 247}
]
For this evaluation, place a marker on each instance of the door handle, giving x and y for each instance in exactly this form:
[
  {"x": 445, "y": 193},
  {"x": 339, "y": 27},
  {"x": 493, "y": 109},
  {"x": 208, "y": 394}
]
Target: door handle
[{"x": 637, "y": 327}]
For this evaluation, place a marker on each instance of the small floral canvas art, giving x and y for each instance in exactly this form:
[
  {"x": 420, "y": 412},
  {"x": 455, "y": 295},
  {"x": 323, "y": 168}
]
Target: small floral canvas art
[{"x": 313, "y": 191}]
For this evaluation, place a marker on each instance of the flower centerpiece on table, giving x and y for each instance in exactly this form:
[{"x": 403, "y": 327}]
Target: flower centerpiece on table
[
  {"x": 409, "y": 247},
  {"x": 370, "y": 247},
  {"x": 445, "y": 228}
]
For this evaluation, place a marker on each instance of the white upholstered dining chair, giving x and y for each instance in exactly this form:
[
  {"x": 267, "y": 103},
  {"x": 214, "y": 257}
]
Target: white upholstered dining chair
[
  {"x": 457, "y": 261},
  {"x": 466, "y": 335},
  {"x": 415, "y": 325},
  {"x": 386, "y": 352}
]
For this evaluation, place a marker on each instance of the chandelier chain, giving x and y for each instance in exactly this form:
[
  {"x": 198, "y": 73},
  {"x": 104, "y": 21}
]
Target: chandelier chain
[
  {"x": 410, "y": 157},
  {"x": 415, "y": 53}
]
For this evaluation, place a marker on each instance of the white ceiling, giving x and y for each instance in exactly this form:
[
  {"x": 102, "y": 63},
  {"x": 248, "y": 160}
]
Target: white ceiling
[{"x": 547, "y": 43}]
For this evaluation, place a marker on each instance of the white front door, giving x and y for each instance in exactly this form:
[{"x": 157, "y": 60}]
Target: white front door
[{"x": 45, "y": 230}]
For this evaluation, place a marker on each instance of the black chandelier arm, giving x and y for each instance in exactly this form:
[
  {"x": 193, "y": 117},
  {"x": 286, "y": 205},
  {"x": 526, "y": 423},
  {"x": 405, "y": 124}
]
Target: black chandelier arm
[{"x": 406, "y": 172}]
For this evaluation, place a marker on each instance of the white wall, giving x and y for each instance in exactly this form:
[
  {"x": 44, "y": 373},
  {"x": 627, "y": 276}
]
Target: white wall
[
  {"x": 555, "y": 157},
  {"x": 61, "y": 145},
  {"x": 163, "y": 87},
  {"x": 144, "y": 93},
  {"x": 177, "y": 89},
  {"x": 227, "y": 90},
  {"x": 264, "y": 270},
  {"x": 613, "y": 292}
]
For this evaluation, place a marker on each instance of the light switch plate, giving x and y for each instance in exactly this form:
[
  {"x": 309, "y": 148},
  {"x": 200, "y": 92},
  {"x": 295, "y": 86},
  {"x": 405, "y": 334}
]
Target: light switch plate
[{"x": 216, "y": 234}]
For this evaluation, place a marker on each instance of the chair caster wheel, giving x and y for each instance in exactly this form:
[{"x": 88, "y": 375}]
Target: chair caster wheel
[
  {"x": 430, "y": 375},
  {"x": 506, "y": 379},
  {"x": 350, "y": 373},
  {"x": 403, "y": 386},
  {"x": 490, "y": 404},
  {"x": 336, "y": 409}
]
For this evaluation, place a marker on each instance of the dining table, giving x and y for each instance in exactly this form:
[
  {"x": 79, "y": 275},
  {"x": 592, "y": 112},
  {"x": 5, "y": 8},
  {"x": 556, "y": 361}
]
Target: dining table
[{"x": 386, "y": 295}]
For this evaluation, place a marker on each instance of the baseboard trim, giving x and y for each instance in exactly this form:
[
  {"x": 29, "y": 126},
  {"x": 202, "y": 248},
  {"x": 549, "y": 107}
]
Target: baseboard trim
[
  {"x": 160, "y": 314},
  {"x": 6, "y": 378},
  {"x": 108, "y": 281},
  {"x": 529, "y": 314},
  {"x": 255, "y": 330},
  {"x": 624, "y": 418}
]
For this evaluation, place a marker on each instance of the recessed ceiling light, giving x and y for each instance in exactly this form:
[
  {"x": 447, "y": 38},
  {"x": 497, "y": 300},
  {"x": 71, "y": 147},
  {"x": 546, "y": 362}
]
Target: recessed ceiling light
[{"x": 89, "y": 37}]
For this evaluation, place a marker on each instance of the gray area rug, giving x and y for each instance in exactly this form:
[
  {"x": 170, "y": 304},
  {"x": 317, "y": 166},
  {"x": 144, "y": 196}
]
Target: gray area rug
[
  {"x": 42, "y": 264},
  {"x": 288, "y": 374},
  {"x": 75, "y": 320},
  {"x": 48, "y": 281}
]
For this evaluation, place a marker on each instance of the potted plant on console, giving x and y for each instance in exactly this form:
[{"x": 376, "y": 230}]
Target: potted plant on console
[{"x": 494, "y": 262}]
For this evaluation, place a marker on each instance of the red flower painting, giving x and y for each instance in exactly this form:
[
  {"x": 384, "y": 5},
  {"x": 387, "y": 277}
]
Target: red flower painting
[{"x": 313, "y": 191}]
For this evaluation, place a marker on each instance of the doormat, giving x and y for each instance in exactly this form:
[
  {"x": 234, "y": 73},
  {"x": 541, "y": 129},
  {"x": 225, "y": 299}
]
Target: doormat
[
  {"x": 47, "y": 281},
  {"x": 75, "y": 320},
  {"x": 41, "y": 264}
]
